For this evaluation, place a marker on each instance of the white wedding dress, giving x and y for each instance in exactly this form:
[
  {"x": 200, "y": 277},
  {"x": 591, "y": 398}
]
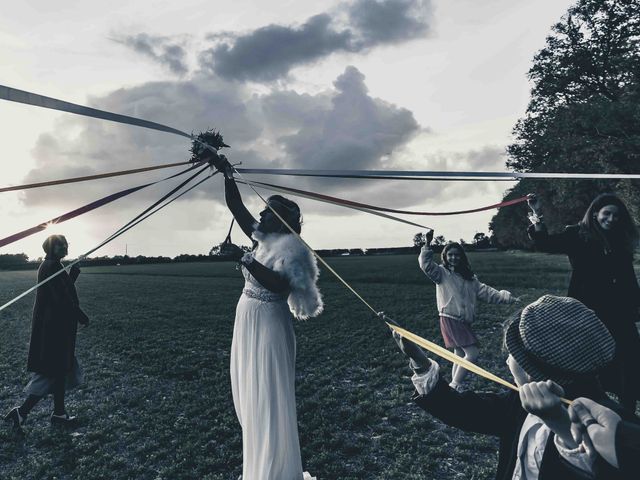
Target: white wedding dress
[{"x": 263, "y": 355}]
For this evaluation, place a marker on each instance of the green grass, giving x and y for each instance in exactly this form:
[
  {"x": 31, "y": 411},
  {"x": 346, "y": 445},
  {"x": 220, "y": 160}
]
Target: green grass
[{"x": 157, "y": 401}]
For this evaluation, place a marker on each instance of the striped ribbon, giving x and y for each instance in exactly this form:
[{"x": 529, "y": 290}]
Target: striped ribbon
[
  {"x": 91, "y": 177},
  {"x": 86, "y": 208},
  {"x": 364, "y": 206},
  {"x": 129, "y": 225}
]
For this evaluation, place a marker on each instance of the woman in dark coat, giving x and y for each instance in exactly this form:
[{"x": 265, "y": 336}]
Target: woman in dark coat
[
  {"x": 600, "y": 249},
  {"x": 56, "y": 314}
]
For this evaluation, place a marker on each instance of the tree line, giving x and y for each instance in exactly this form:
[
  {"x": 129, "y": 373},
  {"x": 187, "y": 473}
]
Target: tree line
[{"x": 583, "y": 117}]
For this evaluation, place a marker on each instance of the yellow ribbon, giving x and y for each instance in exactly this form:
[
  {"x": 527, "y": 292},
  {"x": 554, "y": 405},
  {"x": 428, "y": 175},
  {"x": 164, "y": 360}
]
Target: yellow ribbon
[{"x": 452, "y": 357}]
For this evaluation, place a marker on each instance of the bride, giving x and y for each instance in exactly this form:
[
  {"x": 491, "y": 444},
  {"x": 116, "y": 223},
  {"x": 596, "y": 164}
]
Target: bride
[{"x": 280, "y": 284}]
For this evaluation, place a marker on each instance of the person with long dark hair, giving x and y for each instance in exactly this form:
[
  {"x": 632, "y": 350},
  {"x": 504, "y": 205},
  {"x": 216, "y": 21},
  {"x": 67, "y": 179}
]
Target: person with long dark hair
[
  {"x": 56, "y": 314},
  {"x": 600, "y": 249},
  {"x": 457, "y": 290},
  {"x": 280, "y": 284}
]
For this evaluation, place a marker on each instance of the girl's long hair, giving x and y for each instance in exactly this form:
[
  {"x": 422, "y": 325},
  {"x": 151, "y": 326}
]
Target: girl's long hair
[
  {"x": 464, "y": 269},
  {"x": 624, "y": 235}
]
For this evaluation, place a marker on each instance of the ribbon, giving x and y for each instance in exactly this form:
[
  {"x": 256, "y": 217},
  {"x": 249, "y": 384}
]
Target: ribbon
[
  {"x": 452, "y": 357},
  {"x": 299, "y": 193},
  {"x": 85, "y": 208},
  {"x": 29, "y": 98},
  {"x": 90, "y": 177},
  {"x": 139, "y": 218},
  {"x": 433, "y": 174},
  {"x": 360, "y": 206}
]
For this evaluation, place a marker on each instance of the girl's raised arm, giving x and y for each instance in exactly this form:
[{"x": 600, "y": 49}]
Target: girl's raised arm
[{"x": 430, "y": 268}]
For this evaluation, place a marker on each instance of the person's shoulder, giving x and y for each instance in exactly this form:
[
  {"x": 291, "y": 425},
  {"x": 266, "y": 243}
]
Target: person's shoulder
[{"x": 48, "y": 264}]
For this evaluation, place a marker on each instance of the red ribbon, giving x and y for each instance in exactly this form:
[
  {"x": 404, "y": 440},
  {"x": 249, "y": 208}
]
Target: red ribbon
[{"x": 351, "y": 203}]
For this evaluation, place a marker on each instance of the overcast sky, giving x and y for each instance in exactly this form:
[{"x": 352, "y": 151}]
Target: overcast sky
[{"x": 364, "y": 84}]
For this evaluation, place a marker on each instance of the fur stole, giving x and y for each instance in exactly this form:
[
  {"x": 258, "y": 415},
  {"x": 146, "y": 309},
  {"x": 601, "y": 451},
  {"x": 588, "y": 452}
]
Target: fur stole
[{"x": 285, "y": 254}]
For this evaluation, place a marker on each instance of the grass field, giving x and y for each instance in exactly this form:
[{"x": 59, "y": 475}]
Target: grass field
[{"x": 157, "y": 400}]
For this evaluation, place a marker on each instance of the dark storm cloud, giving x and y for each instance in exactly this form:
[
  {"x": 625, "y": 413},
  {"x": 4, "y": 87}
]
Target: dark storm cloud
[
  {"x": 391, "y": 21},
  {"x": 270, "y": 52},
  {"x": 160, "y": 49}
]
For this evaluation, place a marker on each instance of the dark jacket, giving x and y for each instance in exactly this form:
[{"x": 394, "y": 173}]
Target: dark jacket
[
  {"x": 55, "y": 322},
  {"x": 502, "y": 415},
  {"x": 606, "y": 283},
  {"x": 628, "y": 448}
]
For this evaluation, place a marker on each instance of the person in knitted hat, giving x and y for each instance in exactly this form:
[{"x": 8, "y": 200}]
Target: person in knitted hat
[{"x": 557, "y": 346}]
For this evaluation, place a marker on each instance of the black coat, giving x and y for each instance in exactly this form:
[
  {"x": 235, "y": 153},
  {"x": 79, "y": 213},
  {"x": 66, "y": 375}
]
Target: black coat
[
  {"x": 628, "y": 448},
  {"x": 604, "y": 282},
  {"x": 607, "y": 284},
  {"x": 502, "y": 415},
  {"x": 55, "y": 322}
]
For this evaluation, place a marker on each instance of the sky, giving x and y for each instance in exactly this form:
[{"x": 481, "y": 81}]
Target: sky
[{"x": 361, "y": 84}]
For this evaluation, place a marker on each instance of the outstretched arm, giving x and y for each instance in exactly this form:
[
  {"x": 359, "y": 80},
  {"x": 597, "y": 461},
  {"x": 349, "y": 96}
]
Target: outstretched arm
[
  {"x": 234, "y": 201},
  {"x": 491, "y": 295}
]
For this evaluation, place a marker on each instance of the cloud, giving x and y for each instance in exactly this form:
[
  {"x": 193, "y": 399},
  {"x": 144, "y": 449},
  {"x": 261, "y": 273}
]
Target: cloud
[
  {"x": 354, "y": 131},
  {"x": 391, "y": 21},
  {"x": 160, "y": 49},
  {"x": 271, "y": 52},
  {"x": 341, "y": 128}
]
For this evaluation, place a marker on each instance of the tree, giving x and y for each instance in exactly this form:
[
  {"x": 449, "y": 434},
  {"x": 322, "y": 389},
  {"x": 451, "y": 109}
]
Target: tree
[
  {"x": 480, "y": 240},
  {"x": 418, "y": 240},
  {"x": 583, "y": 116},
  {"x": 439, "y": 241},
  {"x": 13, "y": 260}
]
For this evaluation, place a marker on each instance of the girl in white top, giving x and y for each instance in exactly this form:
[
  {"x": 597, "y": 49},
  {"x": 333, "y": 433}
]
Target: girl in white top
[{"x": 457, "y": 289}]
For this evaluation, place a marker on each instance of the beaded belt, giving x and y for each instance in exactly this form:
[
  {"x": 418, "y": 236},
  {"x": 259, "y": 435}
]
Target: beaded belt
[{"x": 263, "y": 295}]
